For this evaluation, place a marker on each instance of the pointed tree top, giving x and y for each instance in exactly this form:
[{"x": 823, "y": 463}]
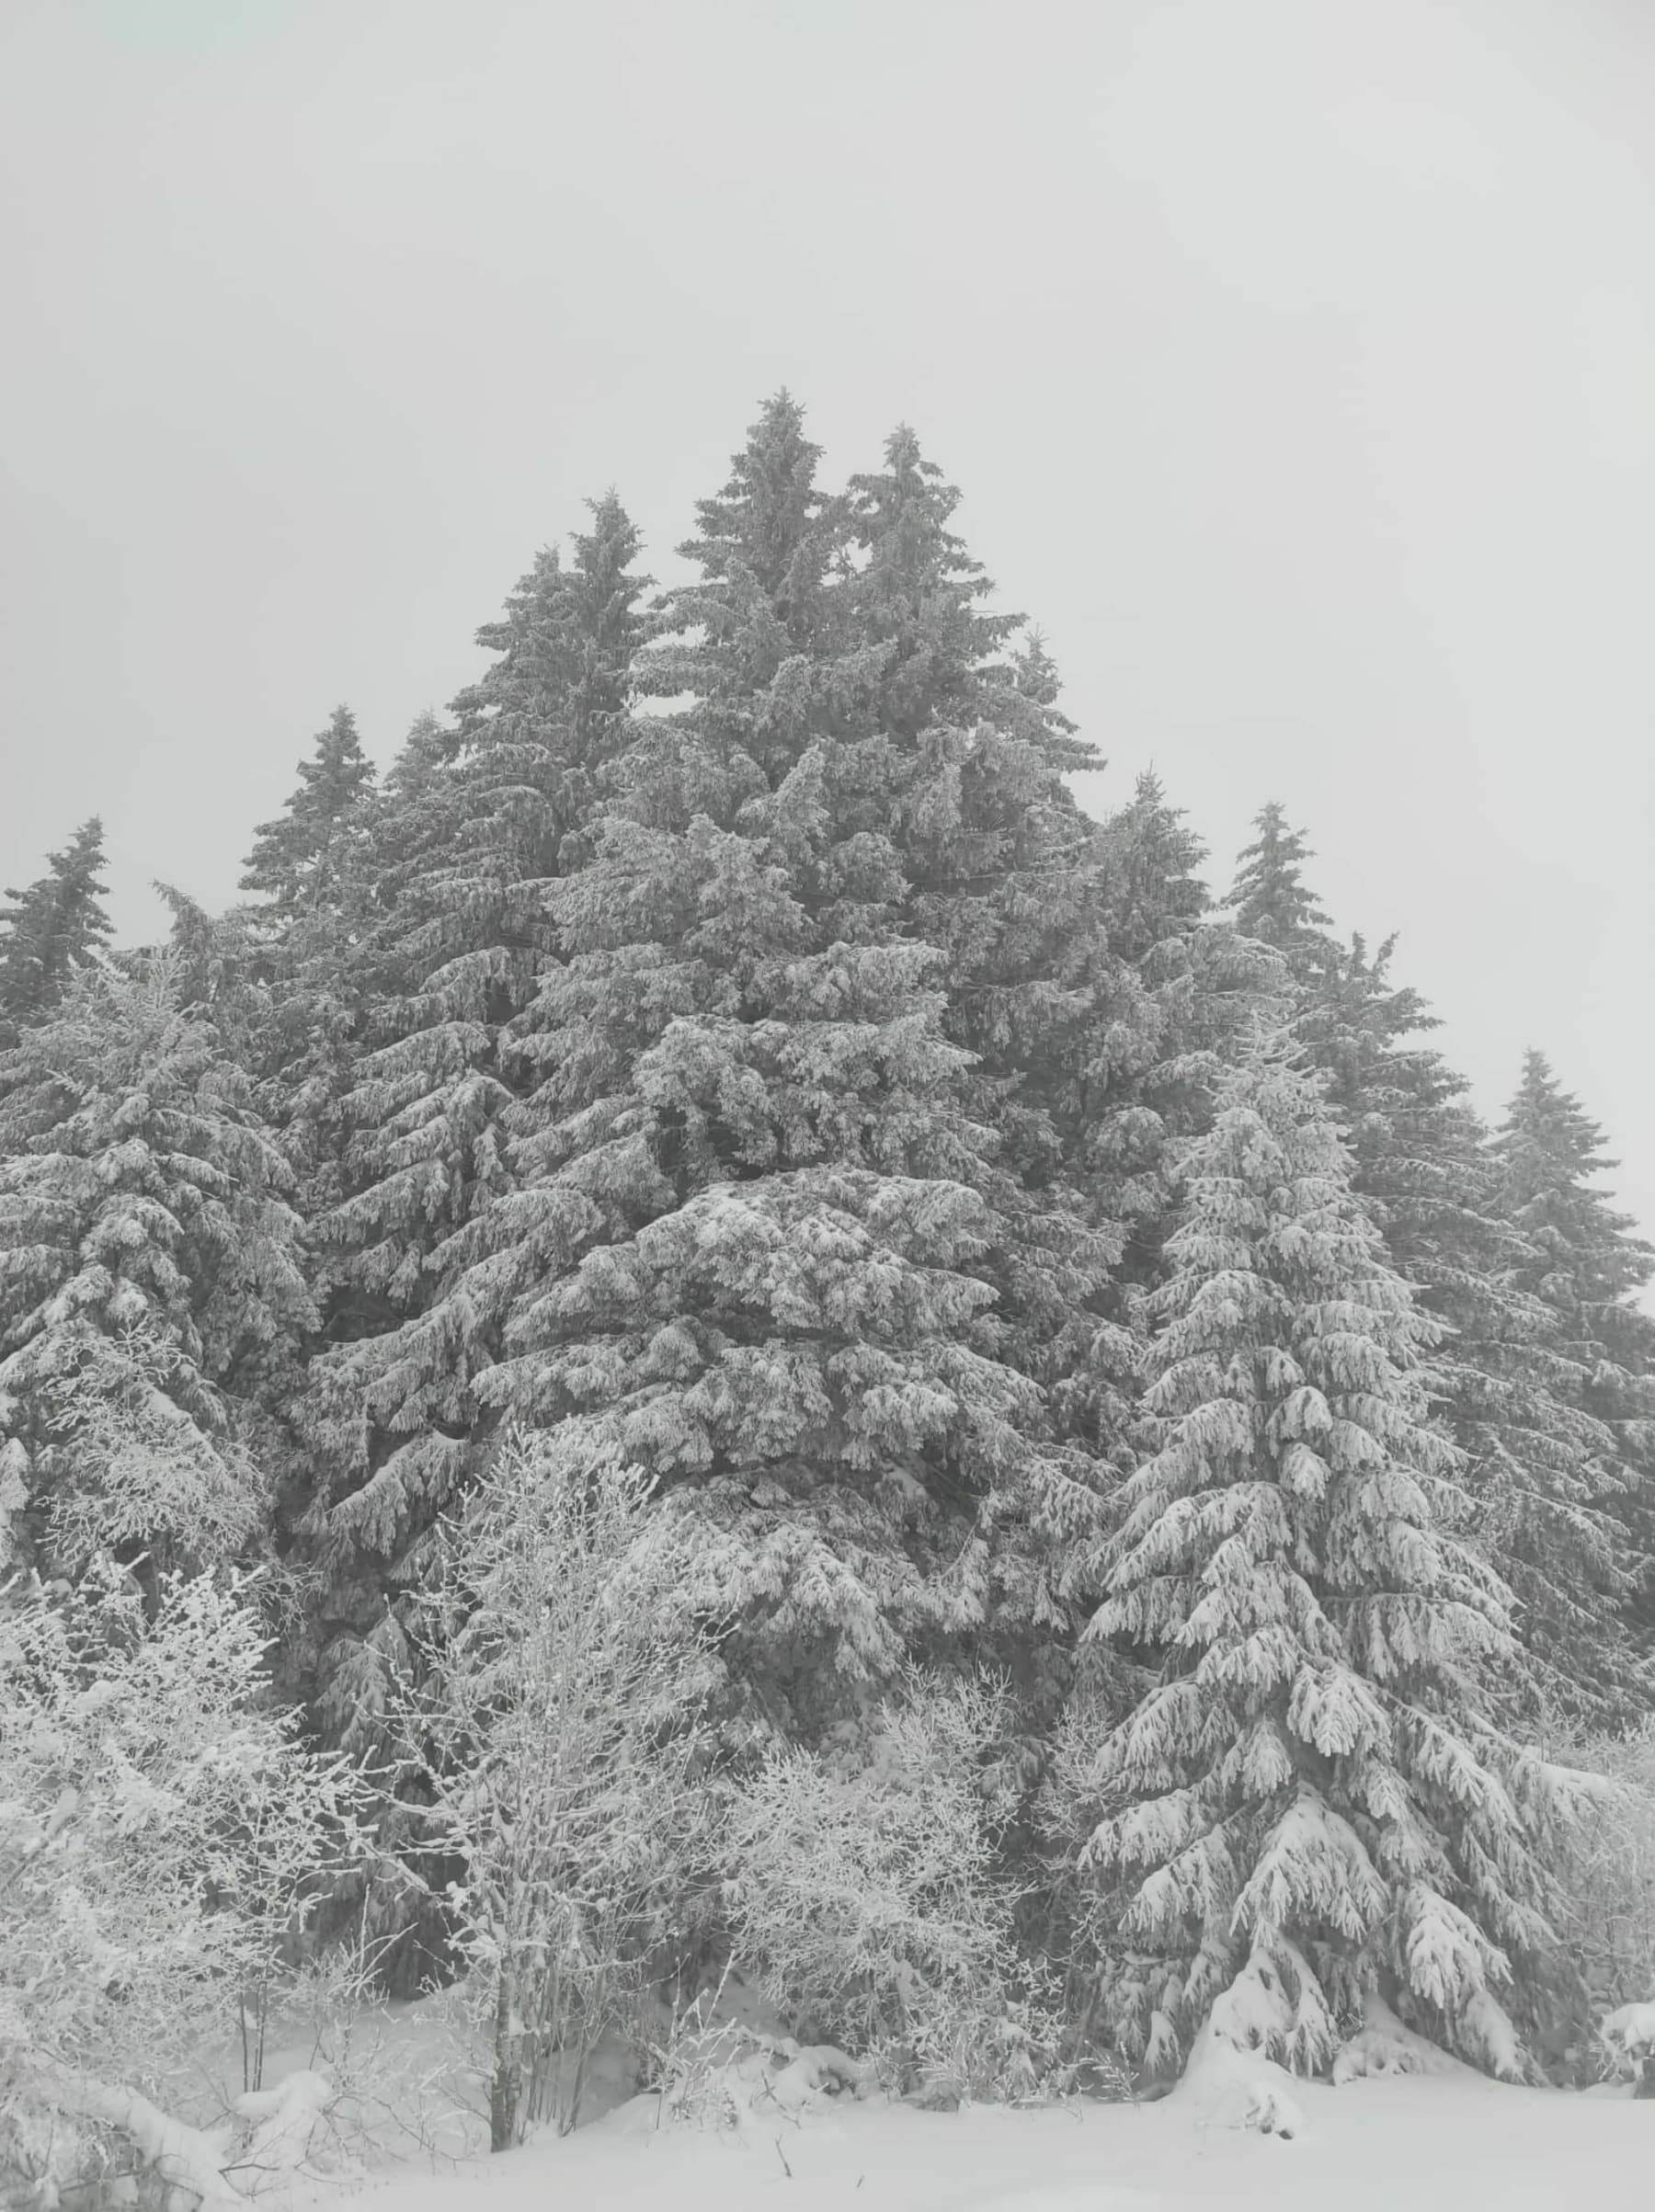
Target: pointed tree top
[
  {"x": 1549, "y": 1151},
  {"x": 761, "y": 516},
  {"x": 56, "y": 927},
  {"x": 288, "y": 859},
  {"x": 1269, "y": 896},
  {"x": 1545, "y": 1121}
]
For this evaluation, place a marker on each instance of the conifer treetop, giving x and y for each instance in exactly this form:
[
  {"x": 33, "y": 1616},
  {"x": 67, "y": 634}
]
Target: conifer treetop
[
  {"x": 1269, "y": 896},
  {"x": 293, "y": 856},
  {"x": 762, "y": 516},
  {"x": 1547, "y": 1150},
  {"x": 56, "y": 928}
]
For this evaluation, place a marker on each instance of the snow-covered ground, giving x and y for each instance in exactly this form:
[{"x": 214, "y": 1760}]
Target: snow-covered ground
[{"x": 1446, "y": 2143}]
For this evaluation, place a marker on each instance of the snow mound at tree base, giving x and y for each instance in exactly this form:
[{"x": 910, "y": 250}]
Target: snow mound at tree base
[
  {"x": 282, "y": 2123},
  {"x": 1223, "y": 2086},
  {"x": 1629, "y": 2030},
  {"x": 1384, "y": 2046}
]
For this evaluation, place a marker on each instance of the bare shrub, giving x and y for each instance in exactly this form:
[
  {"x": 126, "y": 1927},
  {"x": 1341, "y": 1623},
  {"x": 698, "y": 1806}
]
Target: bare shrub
[
  {"x": 162, "y": 1834},
  {"x": 1605, "y": 1913},
  {"x": 558, "y": 1730},
  {"x": 870, "y": 1893}
]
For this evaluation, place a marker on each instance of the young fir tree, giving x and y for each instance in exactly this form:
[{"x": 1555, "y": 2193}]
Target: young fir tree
[
  {"x": 477, "y": 827},
  {"x": 151, "y": 1297},
  {"x": 1504, "y": 1380},
  {"x": 297, "y": 859},
  {"x": 1202, "y": 983},
  {"x": 1198, "y": 988},
  {"x": 340, "y": 963},
  {"x": 765, "y": 1243},
  {"x": 1536, "y": 1461},
  {"x": 1311, "y": 1806},
  {"x": 274, "y": 975},
  {"x": 1592, "y": 1500},
  {"x": 56, "y": 929},
  {"x": 1269, "y": 898}
]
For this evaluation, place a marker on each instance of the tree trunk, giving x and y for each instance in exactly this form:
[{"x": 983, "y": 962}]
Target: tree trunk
[{"x": 504, "y": 2091}]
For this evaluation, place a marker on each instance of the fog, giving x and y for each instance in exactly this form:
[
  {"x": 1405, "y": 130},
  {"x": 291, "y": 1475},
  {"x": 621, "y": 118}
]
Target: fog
[{"x": 1297, "y": 360}]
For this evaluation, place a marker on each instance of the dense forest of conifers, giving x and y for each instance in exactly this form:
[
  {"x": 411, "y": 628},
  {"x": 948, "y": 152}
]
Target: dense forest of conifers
[{"x": 722, "y": 1043}]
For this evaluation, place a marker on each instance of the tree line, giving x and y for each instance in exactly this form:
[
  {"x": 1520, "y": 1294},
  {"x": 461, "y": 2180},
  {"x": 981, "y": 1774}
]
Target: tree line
[{"x": 720, "y": 1048}]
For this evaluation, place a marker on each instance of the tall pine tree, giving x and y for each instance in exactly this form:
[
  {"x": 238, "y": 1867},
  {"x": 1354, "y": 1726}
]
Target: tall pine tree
[
  {"x": 1311, "y": 1804},
  {"x": 477, "y": 827},
  {"x": 766, "y": 1242}
]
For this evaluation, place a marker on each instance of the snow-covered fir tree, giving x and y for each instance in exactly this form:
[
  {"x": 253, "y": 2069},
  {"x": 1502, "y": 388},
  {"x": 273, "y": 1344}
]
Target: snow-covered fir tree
[
  {"x": 1538, "y": 1466},
  {"x": 1311, "y": 1803},
  {"x": 478, "y": 826},
  {"x": 1269, "y": 897},
  {"x": 55, "y": 930},
  {"x": 340, "y": 961},
  {"x": 764, "y": 1235},
  {"x": 297, "y": 858},
  {"x": 1204, "y": 984},
  {"x": 1595, "y": 1357},
  {"x": 150, "y": 1294},
  {"x": 1198, "y": 987},
  {"x": 1535, "y": 1459},
  {"x": 968, "y": 753}
]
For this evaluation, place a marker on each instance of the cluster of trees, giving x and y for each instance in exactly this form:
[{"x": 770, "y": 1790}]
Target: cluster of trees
[{"x": 721, "y": 1049}]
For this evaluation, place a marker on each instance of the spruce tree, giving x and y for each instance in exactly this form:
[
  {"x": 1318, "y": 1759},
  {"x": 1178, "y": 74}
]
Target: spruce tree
[
  {"x": 1311, "y": 1804},
  {"x": 968, "y": 750},
  {"x": 151, "y": 1295},
  {"x": 1577, "y": 1518},
  {"x": 1197, "y": 988},
  {"x": 1502, "y": 1376},
  {"x": 1204, "y": 984},
  {"x": 1589, "y": 1264},
  {"x": 1157, "y": 893},
  {"x": 476, "y": 825},
  {"x": 297, "y": 859},
  {"x": 766, "y": 1244},
  {"x": 56, "y": 929},
  {"x": 1536, "y": 1461},
  {"x": 1269, "y": 897}
]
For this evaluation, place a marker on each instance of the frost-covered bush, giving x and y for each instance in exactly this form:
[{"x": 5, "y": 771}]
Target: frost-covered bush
[
  {"x": 1605, "y": 1920},
  {"x": 870, "y": 1894},
  {"x": 163, "y": 1831},
  {"x": 558, "y": 1731},
  {"x": 128, "y": 1465}
]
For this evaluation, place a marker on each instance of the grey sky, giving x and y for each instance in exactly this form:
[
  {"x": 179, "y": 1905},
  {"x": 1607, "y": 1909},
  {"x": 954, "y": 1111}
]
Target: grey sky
[{"x": 1296, "y": 357}]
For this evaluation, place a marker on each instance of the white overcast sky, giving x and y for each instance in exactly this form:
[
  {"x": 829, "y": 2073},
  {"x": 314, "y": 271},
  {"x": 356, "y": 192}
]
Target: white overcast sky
[{"x": 1296, "y": 358}]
